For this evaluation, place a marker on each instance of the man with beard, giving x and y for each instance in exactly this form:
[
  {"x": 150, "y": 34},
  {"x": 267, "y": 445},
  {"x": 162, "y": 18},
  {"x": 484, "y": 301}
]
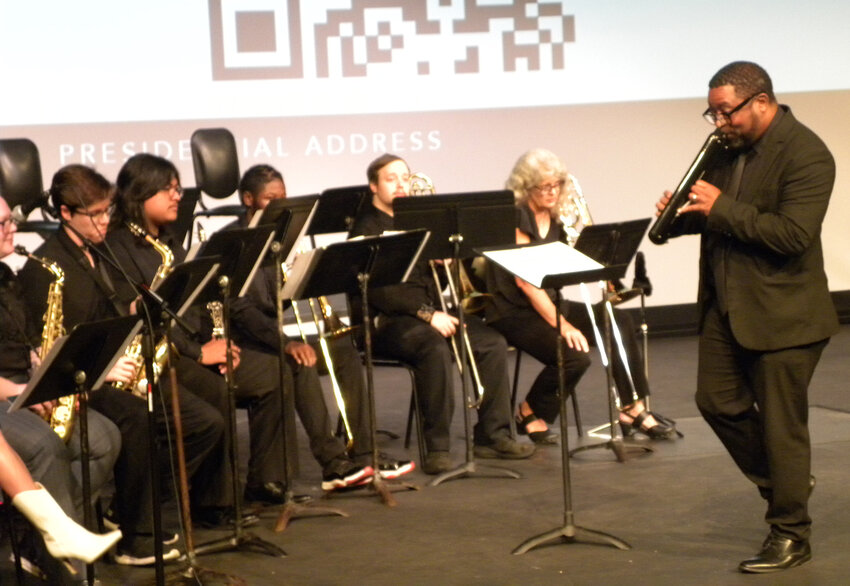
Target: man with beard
[{"x": 765, "y": 310}]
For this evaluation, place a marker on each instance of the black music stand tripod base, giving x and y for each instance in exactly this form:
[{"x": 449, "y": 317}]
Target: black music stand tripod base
[
  {"x": 195, "y": 576},
  {"x": 570, "y": 533},
  {"x": 470, "y": 469},
  {"x": 622, "y": 450},
  {"x": 292, "y": 510},
  {"x": 241, "y": 541}
]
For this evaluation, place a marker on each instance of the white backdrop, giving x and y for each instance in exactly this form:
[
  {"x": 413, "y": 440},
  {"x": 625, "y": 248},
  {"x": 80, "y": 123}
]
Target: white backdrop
[{"x": 318, "y": 88}]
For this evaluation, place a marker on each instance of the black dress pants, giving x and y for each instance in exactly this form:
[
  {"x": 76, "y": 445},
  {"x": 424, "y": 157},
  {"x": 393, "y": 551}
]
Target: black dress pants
[
  {"x": 529, "y": 332},
  {"x": 757, "y": 404},
  {"x": 429, "y": 354}
]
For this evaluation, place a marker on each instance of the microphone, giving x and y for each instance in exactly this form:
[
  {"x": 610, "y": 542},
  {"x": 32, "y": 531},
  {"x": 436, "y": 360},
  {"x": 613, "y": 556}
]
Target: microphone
[
  {"x": 641, "y": 280},
  {"x": 21, "y": 211}
]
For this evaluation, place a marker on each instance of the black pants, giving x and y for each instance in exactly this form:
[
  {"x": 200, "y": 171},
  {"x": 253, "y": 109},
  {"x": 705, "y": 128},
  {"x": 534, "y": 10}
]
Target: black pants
[
  {"x": 312, "y": 410},
  {"x": 203, "y": 407},
  {"x": 429, "y": 354},
  {"x": 529, "y": 332},
  {"x": 349, "y": 373},
  {"x": 757, "y": 404}
]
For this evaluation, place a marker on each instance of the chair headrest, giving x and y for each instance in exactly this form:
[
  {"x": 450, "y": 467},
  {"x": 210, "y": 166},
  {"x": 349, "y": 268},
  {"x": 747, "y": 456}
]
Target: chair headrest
[
  {"x": 215, "y": 161},
  {"x": 20, "y": 171}
]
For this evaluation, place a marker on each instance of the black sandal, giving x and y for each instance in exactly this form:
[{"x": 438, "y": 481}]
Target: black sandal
[
  {"x": 656, "y": 432},
  {"x": 547, "y": 437}
]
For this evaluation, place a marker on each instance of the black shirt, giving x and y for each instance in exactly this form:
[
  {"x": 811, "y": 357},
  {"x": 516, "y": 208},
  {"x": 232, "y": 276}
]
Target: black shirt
[{"x": 405, "y": 298}]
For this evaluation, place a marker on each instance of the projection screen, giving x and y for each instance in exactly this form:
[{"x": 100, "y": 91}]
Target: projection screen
[{"x": 460, "y": 88}]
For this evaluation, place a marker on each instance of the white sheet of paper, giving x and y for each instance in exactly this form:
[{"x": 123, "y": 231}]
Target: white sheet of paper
[{"x": 533, "y": 263}]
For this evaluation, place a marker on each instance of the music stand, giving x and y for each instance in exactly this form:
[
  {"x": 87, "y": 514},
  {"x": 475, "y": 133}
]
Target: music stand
[
  {"x": 301, "y": 211},
  {"x": 243, "y": 251},
  {"x": 459, "y": 223},
  {"x": 613, "y": 245},
  {"x": 532, "y": 263},
  {"x": 356, "y": 265},
  {"x": 337, "y": 209},
  {"x": 291, "y": 218},
  {"x": 169, "y": 302},
  {"x": 87, "y": 354}
]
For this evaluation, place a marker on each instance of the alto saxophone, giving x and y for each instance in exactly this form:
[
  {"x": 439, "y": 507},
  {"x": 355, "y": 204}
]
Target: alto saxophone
[
  {"x": 61, "y": 418},
  {"x": 138, "y": 386}
]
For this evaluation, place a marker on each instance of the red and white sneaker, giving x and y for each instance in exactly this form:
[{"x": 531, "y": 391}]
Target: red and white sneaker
[{"x": 353, "y": 476}]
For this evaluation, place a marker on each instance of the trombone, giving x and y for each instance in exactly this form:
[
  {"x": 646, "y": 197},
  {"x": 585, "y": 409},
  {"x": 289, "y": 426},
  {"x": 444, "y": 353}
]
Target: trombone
[
  {"x": 421, "y": 184},
  {"x": 334, "y": 328},
  {"x": 473, "y": 367}
]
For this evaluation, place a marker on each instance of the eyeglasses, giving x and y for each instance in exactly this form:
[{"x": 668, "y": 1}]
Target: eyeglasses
[
  {"x": 548, "y": 187},
  {"x": 7, "y": 223},
  {"x": 101, "y": 215},
  {"x": 712, "y": 116},
  {"x": 172, "y": 190}
]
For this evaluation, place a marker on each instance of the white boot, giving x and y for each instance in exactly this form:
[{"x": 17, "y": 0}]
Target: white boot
[{"x": 63, "y": 537}]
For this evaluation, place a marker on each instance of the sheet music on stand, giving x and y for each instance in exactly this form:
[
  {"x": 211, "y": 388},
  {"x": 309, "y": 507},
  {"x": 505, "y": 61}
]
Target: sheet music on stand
[
  {"x": 614, "y": 245},
  {"x": 534, "y": 262}
]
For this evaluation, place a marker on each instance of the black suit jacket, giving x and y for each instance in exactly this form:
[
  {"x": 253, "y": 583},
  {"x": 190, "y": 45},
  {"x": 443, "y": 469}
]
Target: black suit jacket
[{"x": 776, "y": 288}]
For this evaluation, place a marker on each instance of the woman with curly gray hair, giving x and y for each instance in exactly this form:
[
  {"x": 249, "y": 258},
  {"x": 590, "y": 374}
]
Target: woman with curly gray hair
[{"x": 525, "y": 315}]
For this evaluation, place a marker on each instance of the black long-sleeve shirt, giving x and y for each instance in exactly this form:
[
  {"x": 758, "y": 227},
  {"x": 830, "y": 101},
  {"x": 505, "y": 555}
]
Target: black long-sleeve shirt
[{"x": 406, "y": 298}]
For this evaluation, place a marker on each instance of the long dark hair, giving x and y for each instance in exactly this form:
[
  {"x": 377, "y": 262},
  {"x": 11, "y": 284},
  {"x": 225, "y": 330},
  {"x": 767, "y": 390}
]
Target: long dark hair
[{"x": 140, "y": 178}]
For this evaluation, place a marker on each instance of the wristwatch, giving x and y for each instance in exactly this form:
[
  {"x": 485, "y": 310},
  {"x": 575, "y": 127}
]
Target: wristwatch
[{"x": 425, "y": 312}]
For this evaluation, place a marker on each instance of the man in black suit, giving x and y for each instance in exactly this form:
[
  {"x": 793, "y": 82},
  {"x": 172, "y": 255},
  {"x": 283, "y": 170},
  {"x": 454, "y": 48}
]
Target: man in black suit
[{"x": 765, "y": 310}]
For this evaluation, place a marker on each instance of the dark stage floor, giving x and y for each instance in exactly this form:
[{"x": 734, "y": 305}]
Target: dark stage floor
[{"x": 687, "y": 512}]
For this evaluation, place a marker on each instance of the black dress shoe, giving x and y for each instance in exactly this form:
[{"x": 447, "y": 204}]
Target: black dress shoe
[
  {"x": 272, "y": 493},
  {"x": 777, "y": 553}
]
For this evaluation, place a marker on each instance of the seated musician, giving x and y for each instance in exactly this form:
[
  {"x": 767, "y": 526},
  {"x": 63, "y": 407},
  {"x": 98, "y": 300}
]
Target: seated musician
[
  {"x": 51, "y": 462},
  {"x": 525, "y": 315},
  {"x": 148, "y": 191},
  {"x": 83, "y": 199},
  {"x": 256, "y": 326},
  {"x": 147, "y": 194},
  {"x": 408, "y": 327}
]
